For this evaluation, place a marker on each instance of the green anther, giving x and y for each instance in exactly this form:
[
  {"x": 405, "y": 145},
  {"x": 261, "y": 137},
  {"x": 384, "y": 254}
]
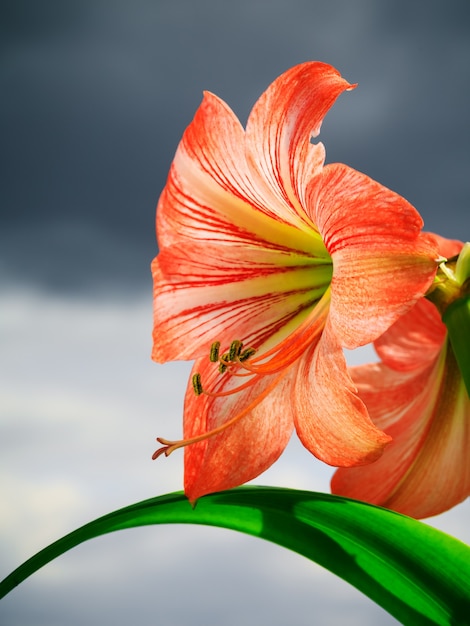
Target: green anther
[
  {"x": 246, "y": 354},
  {"x": 197, "y": 385},
  {"x": 235, "y": 349},
  {"x": 214, "y": 354}
]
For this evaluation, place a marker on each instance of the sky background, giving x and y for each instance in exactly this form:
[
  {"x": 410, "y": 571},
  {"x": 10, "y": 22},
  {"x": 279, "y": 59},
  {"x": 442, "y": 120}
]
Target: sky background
[{"x": 95, "y": 97}]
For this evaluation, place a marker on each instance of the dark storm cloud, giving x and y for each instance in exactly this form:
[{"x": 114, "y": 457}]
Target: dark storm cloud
[{"x": 96, "y": 94}]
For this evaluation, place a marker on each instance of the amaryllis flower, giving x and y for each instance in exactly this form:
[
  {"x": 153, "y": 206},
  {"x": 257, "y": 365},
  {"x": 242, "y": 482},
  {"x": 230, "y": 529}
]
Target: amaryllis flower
[
  {"x": 269, "y": 264},
  {"x": 417, "y": 395}
]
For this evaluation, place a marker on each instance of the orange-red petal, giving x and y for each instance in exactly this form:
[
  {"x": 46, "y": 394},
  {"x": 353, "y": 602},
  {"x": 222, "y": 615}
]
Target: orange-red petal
[
  {"x": 382, "y": 262},
  {"x": 414, "y": 340},
  {"x": 210, "y": 194},
  {"x": 246, "y": 448},
  {"x": 426, "y": 468},
  {"x": 330, "y": 419},
  {"x": 204, "y": 294},
  {"x": 284, "y": 119}
]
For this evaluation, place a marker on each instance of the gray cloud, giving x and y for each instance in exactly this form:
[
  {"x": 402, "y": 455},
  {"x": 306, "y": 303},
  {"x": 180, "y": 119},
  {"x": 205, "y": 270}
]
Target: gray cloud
[{"x": 96, "y": 96}]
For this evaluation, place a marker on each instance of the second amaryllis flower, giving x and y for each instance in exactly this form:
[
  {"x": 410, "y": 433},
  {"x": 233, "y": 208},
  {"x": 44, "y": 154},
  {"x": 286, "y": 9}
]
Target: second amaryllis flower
[
  {"x": 270, "y": 263},
  {"x": 417, "y": 394}
]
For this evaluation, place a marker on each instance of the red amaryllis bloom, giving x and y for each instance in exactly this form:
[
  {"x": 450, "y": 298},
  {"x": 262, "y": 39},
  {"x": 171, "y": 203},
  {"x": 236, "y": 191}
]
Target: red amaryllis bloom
[
  {"x": 270, "y": 263},
  {"x": 417, "y": 395}
]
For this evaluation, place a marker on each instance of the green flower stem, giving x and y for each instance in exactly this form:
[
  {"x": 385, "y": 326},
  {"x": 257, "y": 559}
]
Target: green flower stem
[{"x": 457, "y": 320}]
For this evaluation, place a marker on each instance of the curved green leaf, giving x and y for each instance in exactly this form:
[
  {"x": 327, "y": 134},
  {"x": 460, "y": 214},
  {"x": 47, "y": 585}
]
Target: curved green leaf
[{"x": 418, "y": 574}]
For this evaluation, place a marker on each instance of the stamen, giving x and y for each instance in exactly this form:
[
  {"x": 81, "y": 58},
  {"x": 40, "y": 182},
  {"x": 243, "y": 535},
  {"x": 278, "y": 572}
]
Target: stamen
[
  {"x": 235, "y": 349},
  {"x": 197, "y": 385},
  {"x": 246, "y": 354},
  {"x": 214, "y": 354},
  {"x": 233, "y": 356},
  {"x": 170, "y": 446},
  {"x": 237, "y": 362}
]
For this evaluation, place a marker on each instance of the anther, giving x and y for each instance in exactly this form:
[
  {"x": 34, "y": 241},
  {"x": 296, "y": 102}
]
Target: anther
[
  {"x": 246, "y": 354},
  {"x": 235, "y": 354},
  {"x": 214, "y": 354},
  {"x": 235, "y": 349},
  {"x": 197, "y": 385}
]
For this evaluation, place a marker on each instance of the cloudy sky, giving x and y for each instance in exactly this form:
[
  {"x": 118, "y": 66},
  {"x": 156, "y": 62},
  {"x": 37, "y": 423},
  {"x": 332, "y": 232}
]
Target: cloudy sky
[{"x": 95, "y": 97}]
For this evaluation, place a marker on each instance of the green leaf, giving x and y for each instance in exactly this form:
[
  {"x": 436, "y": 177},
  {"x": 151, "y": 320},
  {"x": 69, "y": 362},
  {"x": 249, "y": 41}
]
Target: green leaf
[{"x": 417, "y": 573}]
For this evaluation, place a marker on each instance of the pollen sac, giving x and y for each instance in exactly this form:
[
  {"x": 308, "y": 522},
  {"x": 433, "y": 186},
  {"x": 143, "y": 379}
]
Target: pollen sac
[
  {"x": 235, "y": 349},
  {"x": 246, "y": 354},
  {"x": 197, "y": 385},
  {"x": 214, "y": 353},
  {"x": 223, "y": 363}
]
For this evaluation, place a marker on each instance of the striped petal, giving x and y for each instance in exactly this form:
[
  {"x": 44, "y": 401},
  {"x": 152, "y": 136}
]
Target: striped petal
[
  {"x": 426, "y": 468},
  {"x": 258, "y": 296},
  {"x": 414, "y": 341},
  {"x": 382, "y": 262},
  {"x": 212, "y": 195},
  {"x": 262, "y": 427},
  {"x": 279, "y": 130},
  {"x": 225, "y": 258},
  {"x": 330, "y": 419}
]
